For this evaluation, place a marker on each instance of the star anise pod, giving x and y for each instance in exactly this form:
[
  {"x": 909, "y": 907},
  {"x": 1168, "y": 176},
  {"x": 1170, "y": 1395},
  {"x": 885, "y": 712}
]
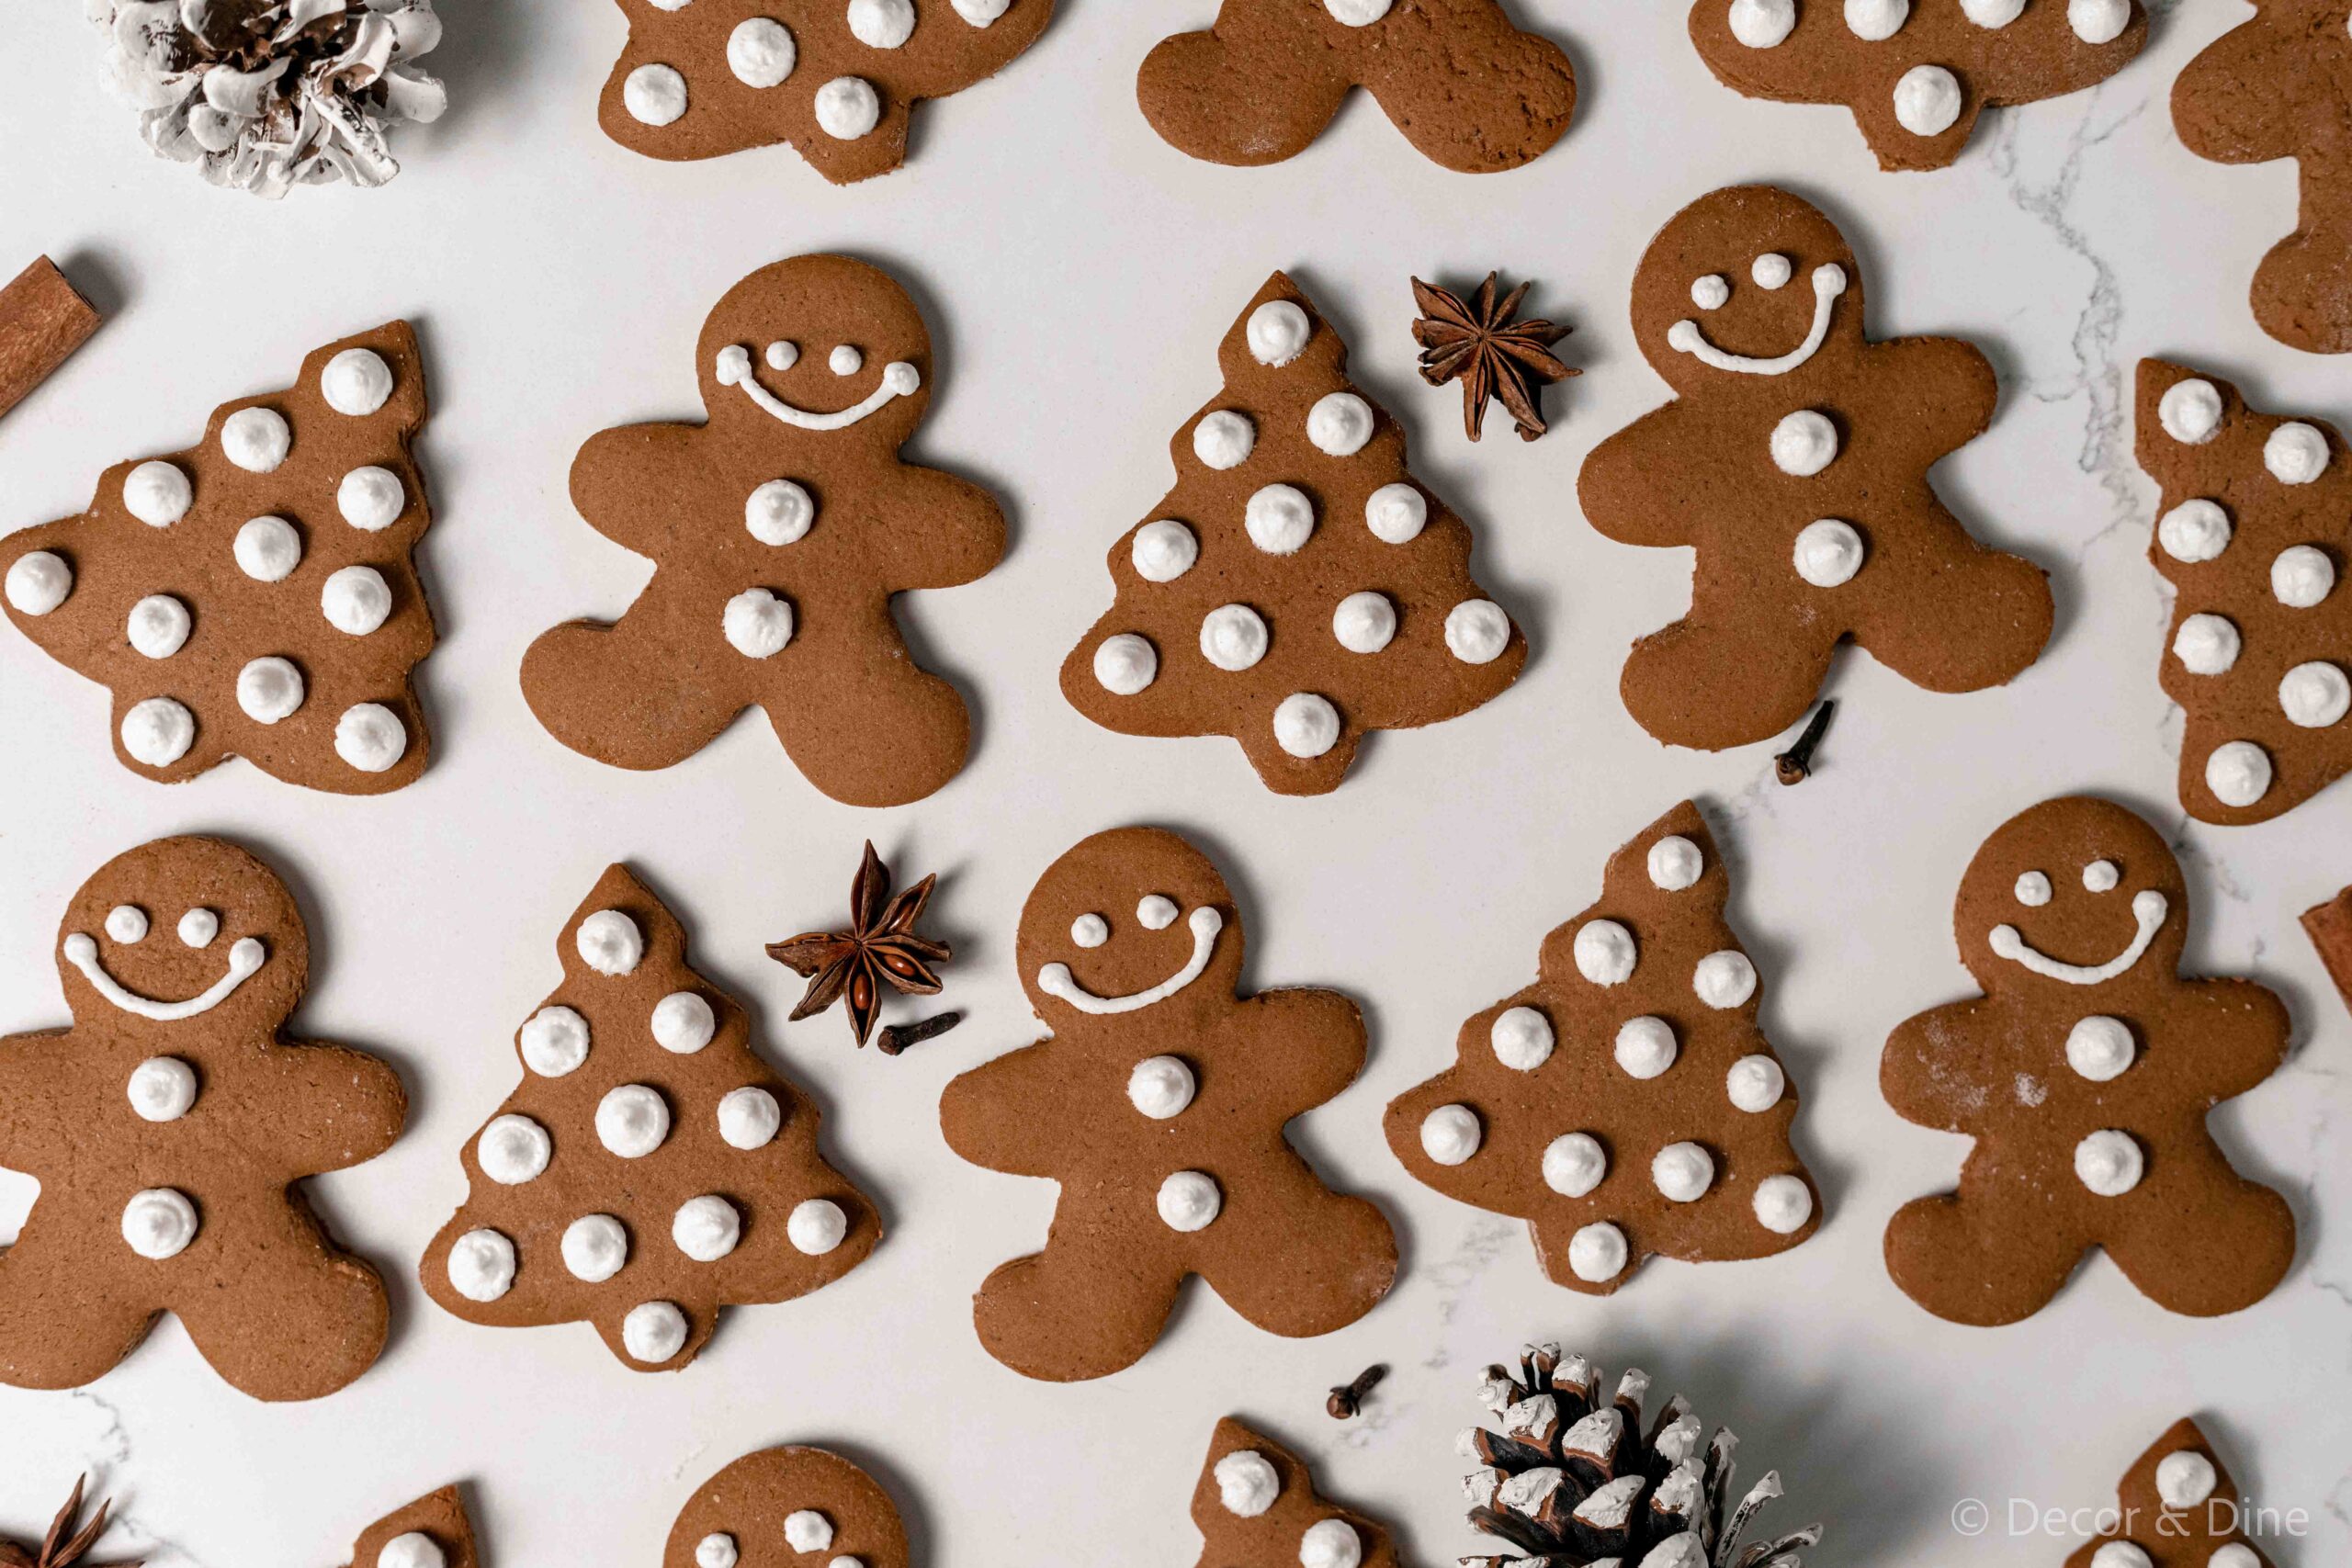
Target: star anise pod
[
  {"x": 64, "y": 1545},
  {"x": 1492, "y": 355},
  {"x": 880, "y": 947}
]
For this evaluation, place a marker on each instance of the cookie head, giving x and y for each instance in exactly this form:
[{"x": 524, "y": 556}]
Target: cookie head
[
  {"x": 1128, "y": 920},
  {"x": 183, "y": 934},
  {"x": 816, "y": 346},
  {"x": 1743, "y": 287},
  {"x": 2073, "y": 894}
]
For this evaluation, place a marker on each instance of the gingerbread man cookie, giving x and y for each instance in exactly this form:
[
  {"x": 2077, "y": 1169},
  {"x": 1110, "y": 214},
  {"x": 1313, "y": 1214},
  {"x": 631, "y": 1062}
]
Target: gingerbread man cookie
[
  {"x": 651, "y": 1168},
  {"x": 431, "y": 1532},
  {"x": 1468, "y": 88},
  {"x": 2253, "y": 530},
  {"x": 1795, "y": 459},
  {"x": 1256, "y": 1506},
  {"x": 704, "y": 79},
  {"x": 2274, "y": 86},
  {"x": 780, "y": 530},
  {"x": 1917, "y": 75},
  {"x": 788, "y": 1508},
  {"x": 2178, "y": 1508},
  {"x": 256, "y": 595},
  {"x": 170, "y": 1126},
  {"x": 2084, "y": 1073},
  {"x": 1159, "y": 1104}
]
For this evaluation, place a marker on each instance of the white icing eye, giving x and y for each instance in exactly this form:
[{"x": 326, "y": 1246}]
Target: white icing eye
[
  {"x": 1771, "y": 270},
  {"x": 2238, "y": 773},
  {"x": 1711, "y": 292},
  {"x": 126, "y": 923},
  {"x": 2101, "y": 876},
  {"x": 783, "y": 355},
  {"x": 2034, "y": 890},
  {"x": 198, "y": 927},
  {"x": 1090, "y": 931},
  {"x": 1155, "y": 912},
  {"x": 845, "y": 360}
]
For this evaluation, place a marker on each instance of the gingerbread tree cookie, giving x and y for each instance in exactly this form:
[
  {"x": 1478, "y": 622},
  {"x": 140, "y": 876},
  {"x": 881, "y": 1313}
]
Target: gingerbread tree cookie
[
  {"x": 2274, "y": 86},
  {"x": 2179, "y": 1509},
  {"x": 431, "y": 1532},
  {"x": 1625, "y": 1105},
  {"x": 651, "y": 1168},
  {"x": 169, "y": 1127},
  {"x": 2254, "y": 527},
  {"x": 718, "y": 76},
  {"x": 1468, "y": 88},
  {"x": 788, "y": 1508},
  {"x": 779, "y": 532},
  {"x": 254, "y": 595},
  {"x": 2084, "y": 1073},
  {"x": 1159, "y": 1104},
  {"x": 1916, "y": 76},
  {"x": 1795, "y": 459},
  {"x": 1256, "y": 1506},
  {"x": 1298, "y": 588}
]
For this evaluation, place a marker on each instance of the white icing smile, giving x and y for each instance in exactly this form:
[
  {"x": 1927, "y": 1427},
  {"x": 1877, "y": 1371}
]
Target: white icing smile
[
  {"x": 81, "y": 952},
  {"x": 1828, "y": 282},
  {"x": 1055, "y": 979},
  {"x": 2148, "y": 906},
  {"x": 898, "y": 380}
]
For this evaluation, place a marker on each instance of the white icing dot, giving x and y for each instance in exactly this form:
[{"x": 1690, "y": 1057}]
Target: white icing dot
[
  {"x": 554, "y": 1040},
  {"x": 881, "y": 24},
  {"x": 845, "y": 360},
  {"x": 1682, "y": 1172},
  {"x": 1927, "y": 100},
  {"x": 1992, "y": 13},
  {"x": 1521, "y": 1038},
  {"x": 2100, "y": 1048},
  {"x": 2314, "y": 696},
  {"x": 1477, "y": 631},
  {"x": 1725, "y": 979},
  {"x": 267, "y": 550},
  {"x": 356, "y": 600},
  {"x": 981, "y": 13},
  {"x": 1574, "y": 1164},
  {"x": 1604, "y": 953},
  {"x": 706, "y": 1228},
  {"x": 38, "y": 581},
  {"x": 1756, "y": 1083},
  {"x": 371, "y": 499},
  {"x": 2195, "y": 530},
  {"x": 1233, "y": 637},
  {"x": 1645, "y": 1046},
  {"x": 1364, "y": 623},
  {"x": 159, "y": 626},
  {"x": 2296, "y": 453},
  {"x": 1279, "y": 518},
  {"x": 757, "y": 624},
  {"x": 848, "y": 107},
  {"x": 654, "y": 95},
  {"x": 653, "y": 1332},
  {"x": 158, "y": 732},
  {"x": 157, "y": 493},
  {"x": 609, "y": 943},
  {"x": 1160, "y": 1087},
  {"x": 1396, "y": 513},
  {"x": 716, "y": 1550},
  {"x": 1223, "y": 439},
  {"x": 749, "y": 1118},
  {"x": 2231, "y": 1554},
  {"x": 760, "y": 53},
  {"x": 1874, "y": 22},
  {"x": 1712, "y": 292},
  {"x": 806, "y": 1529},
  {"x": 2109, "y": 1163},
  {"x": 1247, "y": 1484},
  {"x": 2190, "y": 412},
  {"x": 514, "y": 1150},
  {"x": 1357, "y": 13},
  {"x": 1773, "y": 270},
  {"x": 2034, "y": 890},
  {"x": 356, "y": 382},
  {"x": 126, "y": 923},
  {"x": 1333, "y": 1543},
  {"x": 1451, "y": 1134},
  {"x": 683, "y": 1023},
  {"x": 2098, "y": 21},
  {"x": 161, "y": 1089},
  {"x": 1762, "y": 23},
  {"x": 2185, "y": 1478},
  {"x": 2301, "y": 576},
  {"x": 779, "y": 512},
  {"x": 2206, "y": 644},
  {"x": 596, "y": 1248},
  {"x": 1125, "y": 663},
  {"x": 256, "y": 439},
  {"x": 1783, "y": 1204},
  {"x": 1278, "y": 331},
  {"x": 1339, "y": 424},
  {"x": 1828, "y": 553},
  {"x": 269, "y": 689},
  {"x": 1090, "y": 931},
  {"x": 1675, "y": 864},
  {"x": 1156, "y": 911},
  {"x": 1189, "y": 1200},
  {"x": 1597, "y": 1253},
  {"x": 632, "y": 1120},
  {"x": 370, "y": 737},
  {"x": 2121, "y": 1554},
  {"x": 1306, "y": 726},
  {"x": 816, "y": 1227},
  {"x": 1164, "y": 550},
  {"x": 481, "y": 1266},
  {"x": 198, "y": 927},
  {"x": 2238, "y": 773},
  {"x": 2101, "y": 876},
  {"x": 412, "y": 1550},
  {"x": 1804, "y": 443}
]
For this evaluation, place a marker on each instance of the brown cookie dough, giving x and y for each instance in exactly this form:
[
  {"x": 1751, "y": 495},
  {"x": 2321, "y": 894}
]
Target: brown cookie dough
[
  {"x": 779, "y": 530},
  {"x": 2274, "y": 86},
  {"x": 1256, "y": 1506},
  {"x": 2084, "y": 1073},
  {"x": 2178, "y": 1508},
  {"x": 1627, "y": 1104},
  {"x": 256, "y": 595},
  {"x": 788, "y": 1508},
  {"x": 1795, "y": 459},
  {"x": 1298, "y": 588},
  {"x": 1466, "y": 86},
  {"x": 431, "y": 1532},
  {"x": 2329, "y": 926},
  {"x": 651, "y": 1167},
  {"x": 1158, "y": 1103},
  {"x": 2254, "y": 532},
  {"x": 170, "y": 1127},
  {"x": 837, "y": 80},
  {"x": 1916, "y": 74}
]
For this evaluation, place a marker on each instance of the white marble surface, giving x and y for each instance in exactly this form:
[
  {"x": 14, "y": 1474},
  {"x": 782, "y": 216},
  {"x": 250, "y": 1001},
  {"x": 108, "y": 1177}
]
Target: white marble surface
[{"x": 1078, "y": 274}]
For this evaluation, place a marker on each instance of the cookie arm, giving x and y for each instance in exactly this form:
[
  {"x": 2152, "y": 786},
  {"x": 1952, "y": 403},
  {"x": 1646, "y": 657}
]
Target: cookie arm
[
  {"x": 958, "y": 532},
  {"x": 637, "y": 485},
  {"x": 2233, "y": 103},
  {"x": 330, "y": 1107},
  {"x": 1943, "y": 387},
  {"x": 36, "y": 1092},
  {"x": 1625, "y": 486},
  {"x": 1304, "y": 1046},
  {"x": 1926, "y": 1059},
  {"x": 2236, "y": 1036},
  {"x": 990, "y": 1116}
]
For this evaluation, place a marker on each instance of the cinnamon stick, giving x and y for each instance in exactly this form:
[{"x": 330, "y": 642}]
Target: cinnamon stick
[{"x": 43, "y": 319}]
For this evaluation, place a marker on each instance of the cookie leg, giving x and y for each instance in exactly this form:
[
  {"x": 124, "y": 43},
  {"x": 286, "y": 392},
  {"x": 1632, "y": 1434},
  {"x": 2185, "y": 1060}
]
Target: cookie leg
[
  {"x": 875, "y": 728},
  {"x": 1240, "y": 102},
  {"x": 1977, "y": 1260},
  {"x": 622, "y": 693},
  {"x": 2206, "y": 1241},
  {"x": 1714, "y": 684},
  {"x": 1064, "y": 1317},
  {"x": 1300, "y": 1259},
  {"x": 287, "y": 1316},
  {"x": 65, "y": 1319}
]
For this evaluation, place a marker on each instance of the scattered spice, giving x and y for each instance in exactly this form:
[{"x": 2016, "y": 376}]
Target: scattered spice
[
  {"x": 1347, "y": 1399},
  {"x": 1795, "y": 765},
  {"x": 64, "y": 1545},
  {"x": 1495, "y": 356},
  {"x": 880, "y": 947},
  {"x": 897, "y": 1037}
]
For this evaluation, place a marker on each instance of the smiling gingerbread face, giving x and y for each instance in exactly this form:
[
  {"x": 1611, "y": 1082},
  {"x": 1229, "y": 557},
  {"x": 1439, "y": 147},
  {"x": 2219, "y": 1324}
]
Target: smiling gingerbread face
[
  {"x": 1128, "y": 919},
  {"x": 817, "y": 345},
  {"x": 1745, "y": 286},
  {"x": 2074, "y": 893},
  {"x": 180, "y": 929}
]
